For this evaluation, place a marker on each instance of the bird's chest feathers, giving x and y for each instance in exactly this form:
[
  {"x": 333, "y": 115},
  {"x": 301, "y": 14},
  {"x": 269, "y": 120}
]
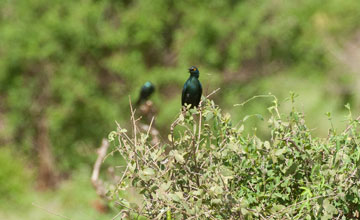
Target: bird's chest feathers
[
  {"x": 193, "y": 85},
  {"x": 192, "y": 92}
]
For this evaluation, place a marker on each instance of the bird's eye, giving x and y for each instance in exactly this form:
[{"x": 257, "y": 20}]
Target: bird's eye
[{"x": 194, "y": 69}]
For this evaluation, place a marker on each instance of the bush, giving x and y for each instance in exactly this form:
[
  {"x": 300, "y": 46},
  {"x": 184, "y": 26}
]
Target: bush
[{"x": 213, "y": 171}]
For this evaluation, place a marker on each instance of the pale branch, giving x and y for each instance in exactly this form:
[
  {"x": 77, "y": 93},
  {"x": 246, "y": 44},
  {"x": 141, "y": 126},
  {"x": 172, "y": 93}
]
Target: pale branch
[
  {"x": 50, "y": 212},
  {"x": 351, "y": 125},
  {"x": 96, "y": 182},
  {"x": 213, "y": 92},
  {"x": 293, "y": 142},
  {"x": 133, "y": 121}
]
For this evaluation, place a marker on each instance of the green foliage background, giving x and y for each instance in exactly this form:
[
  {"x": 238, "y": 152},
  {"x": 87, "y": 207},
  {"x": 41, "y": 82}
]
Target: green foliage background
[{"x": 74, "y": 63}]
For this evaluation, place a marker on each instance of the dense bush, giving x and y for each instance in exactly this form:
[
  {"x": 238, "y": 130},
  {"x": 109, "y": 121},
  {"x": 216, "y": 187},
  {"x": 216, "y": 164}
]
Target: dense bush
[{"x": 214, "y": 171}]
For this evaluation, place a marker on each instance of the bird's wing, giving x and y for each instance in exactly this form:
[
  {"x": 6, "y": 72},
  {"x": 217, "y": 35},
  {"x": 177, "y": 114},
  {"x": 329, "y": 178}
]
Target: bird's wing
[
  {"x": 183, "y": 94},
  {"x": 200, "y": 94},
  {"x": 200, "y": 89}
]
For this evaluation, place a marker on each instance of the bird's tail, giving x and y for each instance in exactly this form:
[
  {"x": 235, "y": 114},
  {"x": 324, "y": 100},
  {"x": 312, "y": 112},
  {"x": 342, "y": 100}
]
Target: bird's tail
[{"x": 138, "y": 102}]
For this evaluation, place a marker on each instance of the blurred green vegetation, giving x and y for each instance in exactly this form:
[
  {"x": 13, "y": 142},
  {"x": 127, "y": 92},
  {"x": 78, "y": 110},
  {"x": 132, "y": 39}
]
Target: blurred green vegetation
[
  {"x": 67, "y": 68},
  {"x": 75, "y": 199}
]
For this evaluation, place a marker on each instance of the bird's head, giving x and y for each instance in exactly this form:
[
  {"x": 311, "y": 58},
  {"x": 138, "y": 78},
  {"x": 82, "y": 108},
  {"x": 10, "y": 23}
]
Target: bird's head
[
  {"x": 147, "y": 89},
  {"x": 149, "y": 85},
  {"x": 194, "y": 71}
]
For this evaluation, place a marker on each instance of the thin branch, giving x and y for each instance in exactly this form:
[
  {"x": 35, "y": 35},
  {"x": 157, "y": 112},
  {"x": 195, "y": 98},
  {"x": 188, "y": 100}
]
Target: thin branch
[
  {"x": 199, "y": 132},
  {"x": 122, "y": 178},
  {"x": 122, "y": 217},
  {"x": 255, "y": 97},
  {"x": 133, "y": 121},
  {"x": 173, "y": 125},
  {"x": 50, "y": 212},
  {"x": 148, "y": 132},
  {"x": 124, "y": 133},
  {"x": 351, "y": 125},
  {"x": 213, "y": 92},
  {"x": 293, "y": 142}
]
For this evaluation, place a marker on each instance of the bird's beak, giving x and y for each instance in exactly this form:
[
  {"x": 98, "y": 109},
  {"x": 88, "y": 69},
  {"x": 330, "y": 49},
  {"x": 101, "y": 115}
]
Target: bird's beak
[{"x": 190, "y": 69}]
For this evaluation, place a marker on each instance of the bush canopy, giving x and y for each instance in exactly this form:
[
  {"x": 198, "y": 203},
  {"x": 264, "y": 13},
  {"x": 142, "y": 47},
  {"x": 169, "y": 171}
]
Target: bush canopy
[{"x": 212, "y": 170}]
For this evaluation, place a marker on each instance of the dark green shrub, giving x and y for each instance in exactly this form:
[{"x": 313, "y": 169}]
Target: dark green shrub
[{"x": 214, "y": 171}]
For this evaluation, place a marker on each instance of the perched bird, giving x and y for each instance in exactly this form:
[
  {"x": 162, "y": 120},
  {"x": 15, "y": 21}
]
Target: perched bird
[
  {"x": 146, "y": 91},
  {"x": 192, "y": 89}
]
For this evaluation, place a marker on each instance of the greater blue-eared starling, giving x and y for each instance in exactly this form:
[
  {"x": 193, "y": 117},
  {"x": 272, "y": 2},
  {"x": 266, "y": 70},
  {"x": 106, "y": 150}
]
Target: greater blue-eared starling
[
  {"x": 146, "y": 91},
  {"x": 192, "y": 89}
]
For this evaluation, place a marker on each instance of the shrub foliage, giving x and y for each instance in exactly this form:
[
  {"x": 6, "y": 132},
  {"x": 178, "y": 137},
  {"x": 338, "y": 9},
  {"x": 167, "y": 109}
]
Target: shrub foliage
[{"x": 212, "y": 170}]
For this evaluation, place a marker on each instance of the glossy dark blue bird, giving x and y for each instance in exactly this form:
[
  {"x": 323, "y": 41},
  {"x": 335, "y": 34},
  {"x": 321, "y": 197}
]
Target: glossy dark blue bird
[
  {"x": 192, "y": 89},
  {"x": 146, "y": 91}
]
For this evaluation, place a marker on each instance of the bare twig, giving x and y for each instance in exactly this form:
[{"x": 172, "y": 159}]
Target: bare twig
[
  {"x": 133, "y": 121},
  {"x": 152, "y": 120},
  {"x": 127, "y": 137},
  {"x": 199, "y": 132},
  {"x": 173, "y": 125},
  {"x": 150, "y": 129},
  {"x": 121, "y": 179},
  {"x": 213, "y": 92},
  {"x": 98, "y": 184},
  {"x": 124, "y": 216},
  {"x": 293, "y": 142},
  {"x": 254, "y": 97},
  {"x": 351, "y": 125},
  {"x": 137, "y": 156},
  {"x": 51, "y": 212}
]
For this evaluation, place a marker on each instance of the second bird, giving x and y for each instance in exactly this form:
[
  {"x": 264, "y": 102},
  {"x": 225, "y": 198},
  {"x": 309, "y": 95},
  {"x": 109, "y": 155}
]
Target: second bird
[
  {"x": 146, "y": 91},
  {"x": 192, "y": 89}
]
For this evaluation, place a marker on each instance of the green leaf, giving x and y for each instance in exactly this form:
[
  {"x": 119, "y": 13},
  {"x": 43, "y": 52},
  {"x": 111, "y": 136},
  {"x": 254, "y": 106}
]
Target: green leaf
[
  {"x": 174, "y": 197},
  {"x": 277, "y": 208},
  {"x": 209, "y": 116},
  {"x": 165, "y": 186},
  {"x": 149, "y": 172},
  {"x": 241, "y": 129},
  {"x": 347, "y": 106},
  {"x": 267, "y": 145},
  {"x": 226, "y": 171},
  {"x": 132, "y": 166},
  {"x": 280, "y": 151},
  {"x": 112, "y": 136},
  {"x": 177, "y": 196},
  {"x": 170, "y": 137},
  {"x": 181, "y": 117},
  {"x": 216, "y": 190},
  {"x": 291, "y": 169},
  {"x": 216, "y": 201},
  {"x": 168, "y": 214},
  {"x": 197, "y": 192},
  {"x": 177, "y": 156},
  {"x": 329, "y": 208}
]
